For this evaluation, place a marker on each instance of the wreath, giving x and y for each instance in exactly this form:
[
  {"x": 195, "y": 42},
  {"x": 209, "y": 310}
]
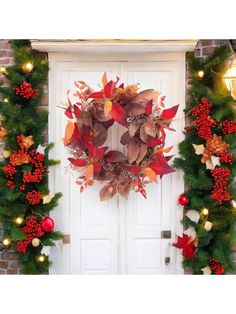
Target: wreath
[{"x": 145, "y": 121}]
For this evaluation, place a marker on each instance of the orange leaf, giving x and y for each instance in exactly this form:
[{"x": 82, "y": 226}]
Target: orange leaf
[
  {"x": 69, "y": 132},
  {"x": 165, "y": 150},
  {"x": 89, "y": 173},
  {"x": 150, "y": 174},
  {"x": 107, "y": 107},
  {"x": 104, "y": 79}
]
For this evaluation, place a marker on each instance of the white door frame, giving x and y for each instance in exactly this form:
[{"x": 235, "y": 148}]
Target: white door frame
[{"x": 177, "y": 58}]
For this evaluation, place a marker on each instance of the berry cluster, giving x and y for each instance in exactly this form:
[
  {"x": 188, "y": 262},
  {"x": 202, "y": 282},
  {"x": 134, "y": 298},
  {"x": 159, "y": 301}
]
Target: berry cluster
[
  {"x": 226, "y": 157},
  {"x": 216, "y": 266},
  {"x": 221, "y": 185},
  {"x": 22, "y": 156},
  {"x": 26, "y": 91},
  {"x": 203, "y": 122},
  {"x": 228, "y": 127},
  {"x": 33, "y": 197},
  {"x": 33, "y": 230}
]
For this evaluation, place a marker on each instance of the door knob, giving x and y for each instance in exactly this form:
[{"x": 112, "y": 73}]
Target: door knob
[{"x": 166, "y": 234}]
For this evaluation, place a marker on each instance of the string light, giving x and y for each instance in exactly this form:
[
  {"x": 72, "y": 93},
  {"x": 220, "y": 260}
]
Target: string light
[
  {"x": 6, "y": 241},
  {"x": 27, "y": 67},
  {"x": 200, "y": 74},
  {"x": 5, "y": 99},
  {"x": 205, "y": 211},
  {"x": 19, "y": 220},
  {"x": 41, "y": 258}
]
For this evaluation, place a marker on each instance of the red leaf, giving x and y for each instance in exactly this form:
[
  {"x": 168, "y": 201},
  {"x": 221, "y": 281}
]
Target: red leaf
[
  {"x": 186, "y": 244},
  {"x": 118, "y": 114},
  {"x": 77, "y": 111},
  {"x": 125, "y": 138},
  {"x": 148, "y": 107},
  {"x": 99, "y": 152},
  {"x": 160, "y": 165},
  {"x": 115, "y": 156},
  {"x": 68, "y": 112},
  {"x": 109, "y": 88},
  {"x": 135, "y": 169},
  {"x": 153, "y": 141},
  {"x": 96, "y": 167},
  {"x": 96, "y": 95},
  {"x": 169, "y": 113},
  {"x": 78, "y": 162}
]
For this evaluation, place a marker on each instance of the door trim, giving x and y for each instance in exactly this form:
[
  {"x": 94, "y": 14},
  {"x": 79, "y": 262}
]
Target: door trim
[{"x": 178, "y": 59}]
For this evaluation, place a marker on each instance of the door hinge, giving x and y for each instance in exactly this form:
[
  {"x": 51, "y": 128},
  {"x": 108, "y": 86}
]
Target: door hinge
[{"x": 166, "y": 234}]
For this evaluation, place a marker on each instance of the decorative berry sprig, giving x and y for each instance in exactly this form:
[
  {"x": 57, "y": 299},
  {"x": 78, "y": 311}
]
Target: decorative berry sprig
[{"x": 26, "y": 91}]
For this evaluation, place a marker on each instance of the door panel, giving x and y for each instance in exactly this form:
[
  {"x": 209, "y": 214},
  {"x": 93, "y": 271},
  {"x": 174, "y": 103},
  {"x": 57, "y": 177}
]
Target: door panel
[{"x": 116, "y": 236}]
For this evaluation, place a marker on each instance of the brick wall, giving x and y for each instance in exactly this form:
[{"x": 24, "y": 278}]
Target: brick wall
[{"x": 8, "y": 261}]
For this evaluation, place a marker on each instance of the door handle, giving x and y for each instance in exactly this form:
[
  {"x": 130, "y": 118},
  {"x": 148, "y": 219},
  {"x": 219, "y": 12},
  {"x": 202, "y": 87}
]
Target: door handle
[
  {"x": 167, "y": 260},
  {"x": 166, "y": 234}
]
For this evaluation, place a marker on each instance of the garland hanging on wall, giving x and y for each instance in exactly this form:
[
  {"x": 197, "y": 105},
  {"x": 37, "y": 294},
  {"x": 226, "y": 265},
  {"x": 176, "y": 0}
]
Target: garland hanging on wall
[
  {"x": 207, "y": 157},
  {"x": 25, "y": 199},
  {"x": 144, "y": 119}
]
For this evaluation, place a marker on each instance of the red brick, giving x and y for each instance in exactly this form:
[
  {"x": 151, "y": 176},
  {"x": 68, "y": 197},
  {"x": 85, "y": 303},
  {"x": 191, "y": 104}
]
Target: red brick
[
  {"x": 44, "y": 100},
  {"x": 12, "y": 271},
  {"x": 206, "y": 42},
  {"x": 9, "y": 256},
  {"x": 5, "y": 61},
  {"x": 14, "y": 264},
  {"x": 3, "y": 264},
  {"x": 188, "y": 271},
  {"x": 207, "y": 51},
  {"x": 3, "y": 53},
  {"x": 4, "y": 44}
]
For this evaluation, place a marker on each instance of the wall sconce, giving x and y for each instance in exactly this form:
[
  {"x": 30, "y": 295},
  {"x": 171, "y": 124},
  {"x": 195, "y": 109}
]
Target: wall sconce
[{"x": 230, "y": 76}]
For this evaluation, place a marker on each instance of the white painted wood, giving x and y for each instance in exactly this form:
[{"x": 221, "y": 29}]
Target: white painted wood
[
  {"x": 101, "y": 46},
  {"x": 117, "y": 236}
]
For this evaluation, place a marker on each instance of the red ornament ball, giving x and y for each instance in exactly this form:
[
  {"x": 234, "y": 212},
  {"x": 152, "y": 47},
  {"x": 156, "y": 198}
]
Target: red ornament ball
[
  {"x": 183, "y": 200},
  {"x": 47, "y": 224}
]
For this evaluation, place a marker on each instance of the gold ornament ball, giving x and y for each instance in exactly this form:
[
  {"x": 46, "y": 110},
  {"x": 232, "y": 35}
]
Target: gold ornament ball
[
  {"x": 200, "y": 74},
  {"x": 6, "y": 153},
  {"x": 27, "y": 67},
  {"x": 35, "y": 242},
  {"x": 19, "y": 220},
  {"x": 41, "y": 258},
  {"x": 205, "y": 211},
  {"x": 3, "y": 70},
  {"x": 6, "y": 241},
  {"x": 233, "y": 203}
]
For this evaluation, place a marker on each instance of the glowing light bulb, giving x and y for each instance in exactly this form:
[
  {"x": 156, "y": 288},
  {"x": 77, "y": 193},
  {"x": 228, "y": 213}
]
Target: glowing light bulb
[
  {"x": 5, "y": 99},
  {"x": 205, "y": 211},
  {"x": 6, "y": 241},
  {"x": 200, "y": 74},
  {"x": 41, "y": 258},
  {"x": 27, "y": 67},
  {"x": 19, "y": 220}
]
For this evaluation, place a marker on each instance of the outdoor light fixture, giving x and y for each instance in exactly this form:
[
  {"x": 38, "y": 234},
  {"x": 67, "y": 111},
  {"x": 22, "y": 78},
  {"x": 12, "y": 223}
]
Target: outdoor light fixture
[{"x": 230, "y": 76}]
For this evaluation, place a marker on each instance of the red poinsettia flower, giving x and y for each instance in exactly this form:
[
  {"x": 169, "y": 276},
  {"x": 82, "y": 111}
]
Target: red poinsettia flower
[{"x": 187, "y": 245}]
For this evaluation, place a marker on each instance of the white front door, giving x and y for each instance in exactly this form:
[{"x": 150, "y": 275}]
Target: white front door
[{"x": 116, "y": 236}]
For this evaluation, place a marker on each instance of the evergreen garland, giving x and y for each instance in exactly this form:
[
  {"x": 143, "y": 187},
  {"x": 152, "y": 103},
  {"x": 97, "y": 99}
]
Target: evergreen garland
[
  {"x": 22, "y": 130},
  {"x": 211, "y": 251}
]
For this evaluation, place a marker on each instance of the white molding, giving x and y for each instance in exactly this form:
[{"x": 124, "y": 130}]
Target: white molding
[{"x": 134, "y": 46}]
